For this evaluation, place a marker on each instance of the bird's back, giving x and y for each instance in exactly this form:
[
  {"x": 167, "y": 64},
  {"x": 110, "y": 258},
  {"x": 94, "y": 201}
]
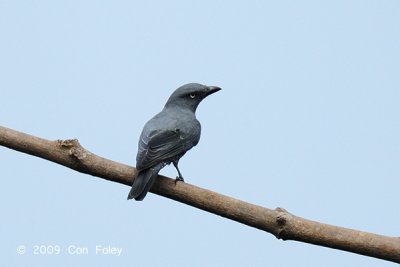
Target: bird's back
[{"x": 167, "y": 135}]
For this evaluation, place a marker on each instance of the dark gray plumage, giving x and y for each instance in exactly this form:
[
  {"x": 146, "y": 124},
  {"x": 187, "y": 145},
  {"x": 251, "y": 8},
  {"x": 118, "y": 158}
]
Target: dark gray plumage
[{"x": 168, "y": 135}]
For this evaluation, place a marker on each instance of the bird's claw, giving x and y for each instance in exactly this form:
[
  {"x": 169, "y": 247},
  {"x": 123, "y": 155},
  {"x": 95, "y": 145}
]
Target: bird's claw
[{"x": 179, "y": 178}]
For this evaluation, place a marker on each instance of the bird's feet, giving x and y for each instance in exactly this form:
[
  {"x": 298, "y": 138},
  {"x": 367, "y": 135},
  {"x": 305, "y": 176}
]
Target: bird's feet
[{"x": 179, "y": 178}]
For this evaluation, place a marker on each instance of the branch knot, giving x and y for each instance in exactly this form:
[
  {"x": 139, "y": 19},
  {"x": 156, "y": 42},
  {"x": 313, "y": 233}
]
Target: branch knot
[
  {"x": 75, "y": 149},
  {"x": 282, "y": 218}
]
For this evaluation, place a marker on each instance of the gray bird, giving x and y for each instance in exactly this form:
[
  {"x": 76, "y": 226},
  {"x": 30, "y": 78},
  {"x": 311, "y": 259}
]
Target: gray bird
[{"x": 168, "y": 136}]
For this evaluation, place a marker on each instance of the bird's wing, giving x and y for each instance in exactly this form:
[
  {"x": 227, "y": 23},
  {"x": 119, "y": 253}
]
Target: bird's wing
[{"x": 162, "y": 145}]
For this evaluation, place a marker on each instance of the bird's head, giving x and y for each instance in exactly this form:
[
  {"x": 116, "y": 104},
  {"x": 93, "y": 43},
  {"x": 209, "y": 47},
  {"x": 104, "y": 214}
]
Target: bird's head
[{"x": 190, "y": 95}]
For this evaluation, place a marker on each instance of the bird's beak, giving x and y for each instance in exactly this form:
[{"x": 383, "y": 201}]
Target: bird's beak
[{"x": 212, "y": 89}]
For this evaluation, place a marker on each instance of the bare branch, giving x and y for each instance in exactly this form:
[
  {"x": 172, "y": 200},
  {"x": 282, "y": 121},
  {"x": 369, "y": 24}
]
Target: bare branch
[{"x": 278, "y": 222}]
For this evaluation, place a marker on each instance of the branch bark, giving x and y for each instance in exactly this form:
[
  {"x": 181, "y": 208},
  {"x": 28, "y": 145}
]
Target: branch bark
[{"x": 278, "y": 222}]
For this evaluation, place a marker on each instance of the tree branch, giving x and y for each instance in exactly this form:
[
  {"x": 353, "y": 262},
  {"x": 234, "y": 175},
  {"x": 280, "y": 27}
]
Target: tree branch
[{"x": 278, "y": 222}]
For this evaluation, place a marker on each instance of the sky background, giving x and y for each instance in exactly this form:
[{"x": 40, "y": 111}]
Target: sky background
[{"x": 307, "y": 120}]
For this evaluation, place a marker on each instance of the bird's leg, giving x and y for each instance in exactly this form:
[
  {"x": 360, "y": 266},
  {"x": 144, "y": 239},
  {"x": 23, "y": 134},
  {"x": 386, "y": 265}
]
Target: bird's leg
[{"x": 179, "y": 178}]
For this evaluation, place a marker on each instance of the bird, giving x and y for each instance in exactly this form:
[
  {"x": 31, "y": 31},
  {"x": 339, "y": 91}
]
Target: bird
[{"x": 167, "y": 136}]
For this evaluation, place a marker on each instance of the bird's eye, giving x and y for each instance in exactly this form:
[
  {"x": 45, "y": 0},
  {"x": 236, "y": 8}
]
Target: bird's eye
[{"x": 192, "y": 95}]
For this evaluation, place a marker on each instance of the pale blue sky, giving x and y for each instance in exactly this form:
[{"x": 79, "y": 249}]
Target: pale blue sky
[{"x": 308, "y": 120}]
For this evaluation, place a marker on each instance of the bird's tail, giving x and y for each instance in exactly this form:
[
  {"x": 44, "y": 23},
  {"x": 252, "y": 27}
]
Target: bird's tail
[{"x": 143, "y": 181}]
